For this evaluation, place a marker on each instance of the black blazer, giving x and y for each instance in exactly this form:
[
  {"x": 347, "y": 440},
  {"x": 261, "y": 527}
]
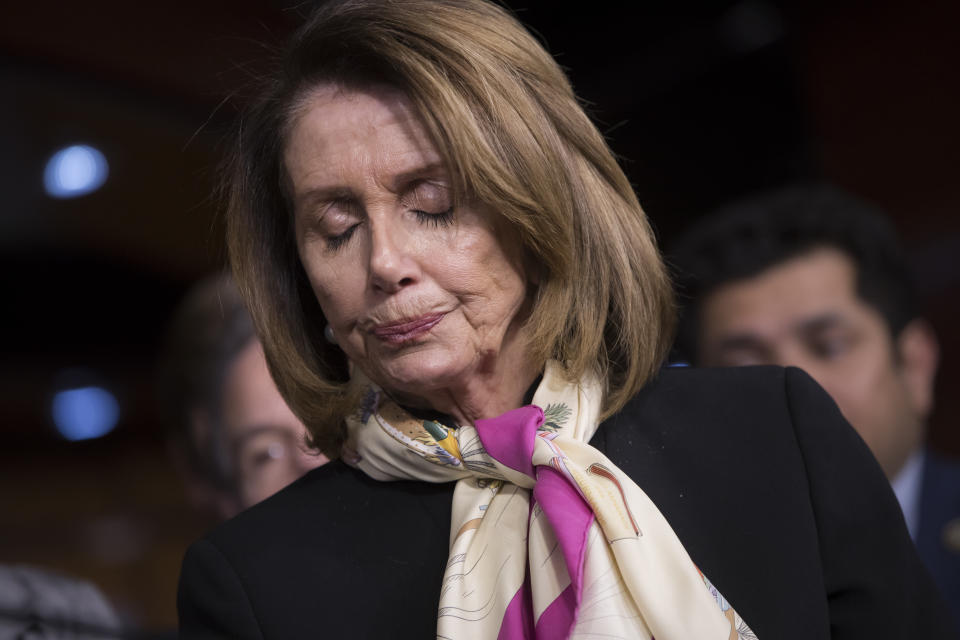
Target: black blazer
[{"x": 774, "y": 496}]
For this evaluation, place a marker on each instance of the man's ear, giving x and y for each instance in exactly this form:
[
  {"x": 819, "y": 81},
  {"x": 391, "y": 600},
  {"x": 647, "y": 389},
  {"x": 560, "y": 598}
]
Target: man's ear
[{"x": 919, "y": 356}]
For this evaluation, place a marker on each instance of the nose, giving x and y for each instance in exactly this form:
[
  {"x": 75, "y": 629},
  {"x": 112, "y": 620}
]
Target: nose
[{"x": 392, "y": 263}]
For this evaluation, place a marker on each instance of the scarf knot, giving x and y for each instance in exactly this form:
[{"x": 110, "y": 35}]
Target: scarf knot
[{"x": 511, "y": 439}]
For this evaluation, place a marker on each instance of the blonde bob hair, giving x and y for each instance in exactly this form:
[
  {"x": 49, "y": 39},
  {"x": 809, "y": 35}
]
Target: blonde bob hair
[{"x": 506, "y": 122}]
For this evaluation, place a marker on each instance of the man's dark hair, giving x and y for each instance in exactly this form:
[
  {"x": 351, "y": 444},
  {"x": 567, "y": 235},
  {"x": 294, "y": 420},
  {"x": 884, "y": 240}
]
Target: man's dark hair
[{"x": 749, "y": 236}]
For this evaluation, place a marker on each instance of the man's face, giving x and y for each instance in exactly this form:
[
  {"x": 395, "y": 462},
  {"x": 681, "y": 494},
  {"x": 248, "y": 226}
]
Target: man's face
[
  {"x": 805, "y": 312},
  {"x": 264, "y": 440}
]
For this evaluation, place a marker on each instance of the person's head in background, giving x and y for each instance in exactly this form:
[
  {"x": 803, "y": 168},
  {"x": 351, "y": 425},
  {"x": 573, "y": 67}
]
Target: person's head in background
[
  {"x": 815, "y": 278},
  {"x": 232, "y": 435}
]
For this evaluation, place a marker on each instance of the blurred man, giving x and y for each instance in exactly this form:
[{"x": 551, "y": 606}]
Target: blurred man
[
  {"x": 233, "y": 437},
  {"x": 814, "y": 278}
]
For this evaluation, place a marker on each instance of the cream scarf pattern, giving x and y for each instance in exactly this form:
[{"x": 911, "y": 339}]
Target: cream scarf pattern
[{"x": 548, "y": 539}]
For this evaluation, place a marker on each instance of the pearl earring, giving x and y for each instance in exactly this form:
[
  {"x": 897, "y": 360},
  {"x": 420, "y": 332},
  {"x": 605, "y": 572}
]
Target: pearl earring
[{"x": 328, "y": 334}]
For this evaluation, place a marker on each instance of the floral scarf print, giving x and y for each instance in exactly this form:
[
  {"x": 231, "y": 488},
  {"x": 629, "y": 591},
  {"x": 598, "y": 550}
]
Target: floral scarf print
[{"x": 548, "y": 539}]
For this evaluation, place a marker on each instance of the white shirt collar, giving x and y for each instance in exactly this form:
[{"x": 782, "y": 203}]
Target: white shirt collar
[{"x": 906, "y": 486}]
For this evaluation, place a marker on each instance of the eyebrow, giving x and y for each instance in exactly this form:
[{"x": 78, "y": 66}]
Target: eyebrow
[
  {"x": 820, "y": 322},
  {"x": 813, "y": 324},
  {"x": 312, "y": 197},
  {"x": 400, "y": 182}
]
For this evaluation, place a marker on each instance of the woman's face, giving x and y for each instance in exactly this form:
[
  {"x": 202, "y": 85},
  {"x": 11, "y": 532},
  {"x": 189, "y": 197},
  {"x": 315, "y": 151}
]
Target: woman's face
[{"x": 421, "y": 295}]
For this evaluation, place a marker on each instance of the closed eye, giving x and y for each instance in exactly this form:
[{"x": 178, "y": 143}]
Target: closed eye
[
  {"x": 337, "y": 241},
  {"x": 439, "y": 219}
]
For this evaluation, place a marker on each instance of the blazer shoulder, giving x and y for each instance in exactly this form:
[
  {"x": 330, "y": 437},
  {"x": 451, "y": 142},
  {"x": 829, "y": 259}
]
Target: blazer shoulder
[
  {"x": 332, "y": 487},
  {"x": 315, "y": 538},
  {"x": 709, "y": 394},
  {"x": 228, "y": 578},
  {"x": 332, "y": 502}
]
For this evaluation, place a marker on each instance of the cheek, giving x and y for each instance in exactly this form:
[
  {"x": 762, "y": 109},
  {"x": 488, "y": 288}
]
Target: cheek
[
  {"x": 480, "y": 264},
  {"x": 337, "y": 287},
  {"x": 865, "y": 388}
]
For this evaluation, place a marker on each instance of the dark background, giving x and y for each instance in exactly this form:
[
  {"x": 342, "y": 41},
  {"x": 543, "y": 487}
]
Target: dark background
[{"x": 702, "y": 101}]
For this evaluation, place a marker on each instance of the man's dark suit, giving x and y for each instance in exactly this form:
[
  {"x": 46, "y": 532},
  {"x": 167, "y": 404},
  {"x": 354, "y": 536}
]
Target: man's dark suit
[
  {"x": 938, "y": 534},
  {"x": 774, "y": 496}
]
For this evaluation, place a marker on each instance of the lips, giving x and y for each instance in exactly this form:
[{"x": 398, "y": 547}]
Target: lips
[{"x": 406, "y": 330}]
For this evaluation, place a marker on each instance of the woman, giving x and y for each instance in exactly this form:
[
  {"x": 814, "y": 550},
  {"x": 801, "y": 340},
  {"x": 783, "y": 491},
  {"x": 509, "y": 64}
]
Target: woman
[{"x": 459, "y": 294}]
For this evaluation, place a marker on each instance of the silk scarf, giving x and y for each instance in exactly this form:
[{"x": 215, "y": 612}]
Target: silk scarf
[{"x": 548, "y": 539}]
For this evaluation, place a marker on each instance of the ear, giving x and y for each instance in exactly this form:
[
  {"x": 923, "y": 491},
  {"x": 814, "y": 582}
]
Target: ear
[{"x": 919, "y": 355}]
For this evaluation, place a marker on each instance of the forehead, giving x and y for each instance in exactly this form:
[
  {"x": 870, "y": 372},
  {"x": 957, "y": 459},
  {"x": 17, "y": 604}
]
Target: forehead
[
  {"x": 820, "y": 281},
  {"x": 336, "y": 129}
]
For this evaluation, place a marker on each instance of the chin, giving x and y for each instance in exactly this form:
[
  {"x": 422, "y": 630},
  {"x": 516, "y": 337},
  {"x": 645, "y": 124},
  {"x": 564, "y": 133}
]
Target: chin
[{"x": 420, "y": 371}]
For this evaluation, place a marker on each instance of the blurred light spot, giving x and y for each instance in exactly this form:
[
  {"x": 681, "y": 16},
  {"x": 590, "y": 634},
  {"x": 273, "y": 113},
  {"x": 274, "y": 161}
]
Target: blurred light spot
[
  {"x": 85, "y": 413},
  {"x": 75, "y": 171}
]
